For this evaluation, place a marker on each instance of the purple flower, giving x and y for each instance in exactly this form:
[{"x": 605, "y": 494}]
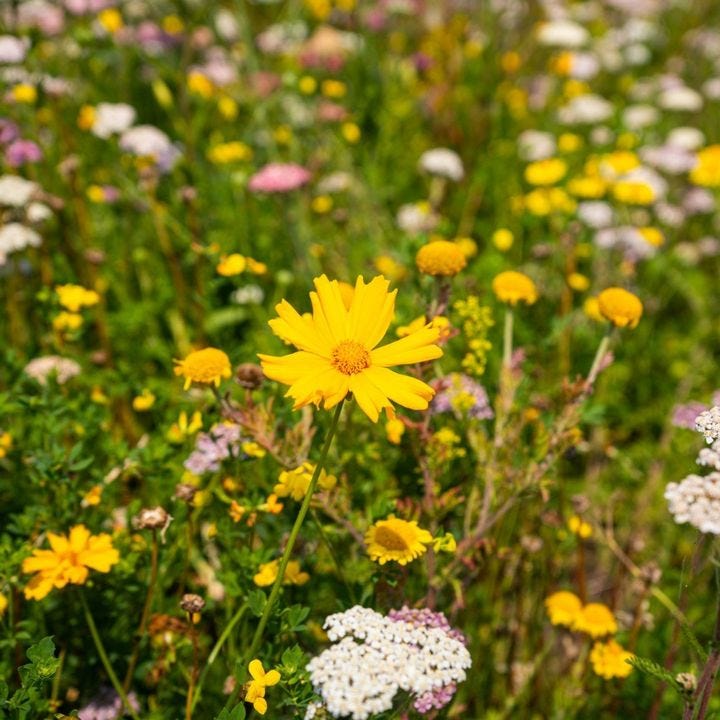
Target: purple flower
[
  {"x": 211, "y": 448},
  {"x": 20, "y": 152},
  {"x": 460, "y": 394},
  {"x": 9, "y": 131},
  {"x": 107, "y": 705},
  {"x": 683, "y": 416}
]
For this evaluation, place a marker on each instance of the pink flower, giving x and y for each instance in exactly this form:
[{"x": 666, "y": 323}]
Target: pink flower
[
  {"x": 279, "y": 178},
  {"x": 20, "y": 152}
]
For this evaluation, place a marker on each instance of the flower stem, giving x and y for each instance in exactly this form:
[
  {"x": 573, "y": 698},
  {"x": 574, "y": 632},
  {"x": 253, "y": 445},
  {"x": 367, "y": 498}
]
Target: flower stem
[
  {"x": 599, "y": 355},
  {"x": 104, "y": 658},
  {"x": 275, "y": 591},
  {"x": 508, "y": 338},
  {"x": 215, "y": 652},
  {"x": 145, "y": 612}
]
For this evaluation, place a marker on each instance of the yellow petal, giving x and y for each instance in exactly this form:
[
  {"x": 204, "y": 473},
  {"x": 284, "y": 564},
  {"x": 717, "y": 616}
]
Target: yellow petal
[
  {"x": 58, "y": 543},
  {"x": 298, "y": 330},
  {"x": 370, "y": 399},
  {"x": 260, "y": 706},
  {"x": 328, "y": 303},
  {"x": 417, "y": 347},
  {"x": 272, "y": 677},
  {"x": 371, "y": 311},
  {"x": 78, "y": 538},
  {"x": 288, "y": 369},
  {"x": 402, "y": 389},
  {"x": 256, "y": 670}
]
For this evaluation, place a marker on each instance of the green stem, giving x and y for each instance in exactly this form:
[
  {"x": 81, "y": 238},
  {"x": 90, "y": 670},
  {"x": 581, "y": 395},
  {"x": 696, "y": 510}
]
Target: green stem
[
  {"x": 105, "y": 660},
  {"x": 508, "y": 338},
  {"x": 216, "y": 651},
  {"x": 599, "y": 355},
  {"x": 275, "y": 591}
]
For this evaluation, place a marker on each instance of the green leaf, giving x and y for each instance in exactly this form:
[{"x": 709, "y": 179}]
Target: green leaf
[
  {"x": 256, "y": 602},
  {"x": 43, "y": 663},
  {"x": 237, "y": 713}
]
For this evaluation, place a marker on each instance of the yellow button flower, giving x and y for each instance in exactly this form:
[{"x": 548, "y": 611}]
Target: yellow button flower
[
  {"x": 144, "y": 401},
  {"x": 563, "y": 608},
  {"x": 610, "y": 660},
  {"x": 545, "y": 172},
  {"x": 76, "y": 297},
  {"x": 503, "y": 239},
  {"x": 230, "y": 265},
  {"x": 396, "y": 540},
  {"x": 707, "y": 170},
  {"x": 440, "y": 257},
  {"x": 596, "y": 620},
  {"x": 208, "y": 366},
  {"x": 512, "y": 287},
  {"x": 620, "y": 307}
]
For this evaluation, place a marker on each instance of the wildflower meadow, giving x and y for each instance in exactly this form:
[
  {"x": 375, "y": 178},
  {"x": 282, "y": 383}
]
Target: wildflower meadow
[{"x": 360, "y": 359}]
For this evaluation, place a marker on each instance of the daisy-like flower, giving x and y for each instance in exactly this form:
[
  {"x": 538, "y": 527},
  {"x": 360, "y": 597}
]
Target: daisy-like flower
[
  {"x": 209, "y": 365},
  {"x": 563, "y": 607},
  {"x": 596, "y": 620},
  {"x": 68, "y": 561},
  {"x": 610, "y": 660},
  {"x": 512, "y": 287},
  {"x": 620, "y": 307},
  {"x": 396, "y": 539},
  {"x": 337, "y": 353},
  {"x": 255, "y": 692},
  {"x": 295, "y": 483},
  {"x": 441, "y": 257}
]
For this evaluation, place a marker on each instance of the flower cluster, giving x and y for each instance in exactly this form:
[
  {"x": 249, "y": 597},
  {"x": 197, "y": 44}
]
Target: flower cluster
[
  {"x": 373, "y": 658},
  {"x": 696, "y": 500},
  {"x": 223, "y": 441}
]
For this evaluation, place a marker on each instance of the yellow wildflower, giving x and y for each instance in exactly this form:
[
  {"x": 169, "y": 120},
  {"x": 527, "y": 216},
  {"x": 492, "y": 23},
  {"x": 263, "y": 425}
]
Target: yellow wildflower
[
  {"x": 707, "y": 170},
  {"x": 76, "y": 297},
  {"x": 633, "y": 192},
  {"x": 93, "y": 496},
  {"x": 111, "y": 20},
  {"x": 24, "y": 93},
  {"x": 67, "y": 322},
  {"x": 229, "y": 152},
  {"x": 620, "y": 307},
  {"x": 596, "y": 620},
  {"x": 610, "y": 660},
  {"x": 338, "y": 354},
  {"x": 502, "y": 239},
  {"x": 396, "y": 540},
  {"x": 512, "y": 287},
  {"x": 563, "y": 608},
  {"x": 253, "y": 449},
  {"x": 440, "y": 257},
  {"x": 545, "y": 172},
  {"x": 207, "y": 366},
  {"x": 183, "y": 429},
  {"x": 271, "y": 505},
  {"x": 579, "y": 527},
  {"x": 5, "y": 443},
  {"x": 351, "y": 132},
  {"x": 268, "y": 572},
  {"x": 321, "y": 204},
  {"x": 333, "y": 88},
  {"x": 390, "y": 268},
  {"x": 255, "y": 692},
  {"x": 68, "y": 561},
  {"x": 394, "y": 429},
  {"x": 200, "y": 84},
  {"x": 230, "y": 265},
  {"x": 295, "y": 483},
  {"x": 144, "y": 401},
  {"x": 578, "y": 281}
]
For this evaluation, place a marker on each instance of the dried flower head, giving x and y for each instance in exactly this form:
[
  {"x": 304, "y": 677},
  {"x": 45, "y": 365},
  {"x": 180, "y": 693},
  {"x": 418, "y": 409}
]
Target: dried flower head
[
  {"x": 249, "y": 376},
  {"x": 152, "y": 519},
  {"x": 192, "y": 603}
]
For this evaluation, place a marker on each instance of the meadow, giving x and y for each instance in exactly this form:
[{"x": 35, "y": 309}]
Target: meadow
[{"x": 359, "y": 359}]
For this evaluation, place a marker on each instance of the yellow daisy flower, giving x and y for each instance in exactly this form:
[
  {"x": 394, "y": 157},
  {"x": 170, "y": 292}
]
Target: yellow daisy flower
[
  {"x": 563, "y": 608},
  {"x": 609, "y": 660},
  {"x": 511, "y": 287},
  {"x": 337, "y": 353},
  {"x": 596, "y": 620},
  {"x": 397, "y": 540},
  {"x": 209, "y": 365},
  {"x": 441, "y": 257},
  {"x": 620, "y": 307}
]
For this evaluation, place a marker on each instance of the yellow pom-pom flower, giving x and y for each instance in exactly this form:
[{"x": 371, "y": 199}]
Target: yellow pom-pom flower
[
  {"x": 545, "y": 172},
  {"x": 620, "y": 307},
  {"x": 563, "y": 608},
  {"x": 512, "y": 287},
  {"x": 596, "y": 620},
  {"x": 398, "y": 540},
  {"x": 610, "y": 660},
  {"x": 440, "y": 257},
  {"x": 707, "y": 170},
  {"x": 337, "y": 353},
  {"x": 208, "y": 366}
]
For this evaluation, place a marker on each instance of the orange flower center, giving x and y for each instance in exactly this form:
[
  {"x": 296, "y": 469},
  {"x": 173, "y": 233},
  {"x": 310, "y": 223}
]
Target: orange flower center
[
  {"x": 389, "y": 539},
  {"x": 350, "y": 357}
]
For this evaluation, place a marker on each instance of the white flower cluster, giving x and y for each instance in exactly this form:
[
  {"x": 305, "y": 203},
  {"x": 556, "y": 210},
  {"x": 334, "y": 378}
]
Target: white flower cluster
[
  {"x": 696, "y": 499},
  {"x": 710, "y": 456},
  {"x": 374, "y": 657},
  {"x": 708, "y": 423}
]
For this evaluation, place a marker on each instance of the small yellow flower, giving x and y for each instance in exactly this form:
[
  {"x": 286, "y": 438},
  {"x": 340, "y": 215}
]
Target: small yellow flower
[
  {"x": 307, "y": 85},
  {"x": 86, "y": 117},
  {"x": 351, "y": 132},
  {"x": 569, "y": 142},
  {"x": 255, "y": 692},
  {"x": 172, "y": 25},
  {"x": 512, "y": 287},
  {"x": 229, "y": 152},
  {"x": 446, "y": 543},
  {"x": 144, "y": 401},
  {"x": 200, "y": 84},
  {"x": 578, "y": 281},
  {"x": 208, "y": 366},
  {"x": 440, "y": 258},
  {"x": 321, "y": 204},
  {"x": 228, "y": 108},
  {"x": 68, "y": 561},
  {"x": 97, "y": 395},
  {"x": 253, "y": 449},
  {"x": 396, "y": 540},
  {"x": 596, "y": 620},
  {"x": 390, "y": 268},
  {"x": 510, "y": 62},
  {"x": 24, "y": 93},
  {"x": 268, "y": 572},
  {"x": 591, "y": 307},
  {"x": 183, "y": 429},
  {"x": 295, "y": 483},
  {"x": 545, "y": 172},
  {"x": 394, "y": 429},
  {"x": 3, "y": 604},
  {"x": 93, "y": 496},
  {"x": 579, "y": 527},
  {"x": 255, "y": 266},
  {"x": 618, "y": 163},
  {"x": 271, "y": 505},
  {"x": 633, "y": 192},
  {"x": 707, "y": 170},
  {"x": 111, "y": 20},
  {"x": 620, "y": 307},
  {"x": 589, "y": 188},
  {"x": 333, "y": 88},
  {"x": 230, "y": 265},
  {"x": 76, "y": 297},
  {"x": 467, "y": 246},
  {"x": 5, "y": 443},
  {"x": 652, "y": 236},
  {"x": 95, "y": 194},
  {"x": 563, "y": 608},
  {"x": 236, "y": 511},
  {"x": 503, "y": 239},
  {"x": 610, "y": 660},
  {"x": 67, "y": 322}
]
